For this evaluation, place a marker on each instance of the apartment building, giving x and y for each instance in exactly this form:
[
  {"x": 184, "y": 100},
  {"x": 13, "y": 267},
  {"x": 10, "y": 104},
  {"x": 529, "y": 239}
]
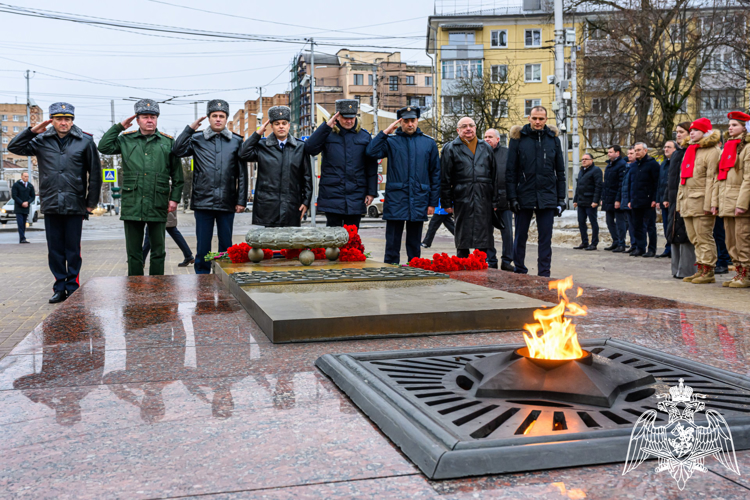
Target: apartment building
[
  {"x": 13, "y": 121},
  {"x": 248, "y": 118}
]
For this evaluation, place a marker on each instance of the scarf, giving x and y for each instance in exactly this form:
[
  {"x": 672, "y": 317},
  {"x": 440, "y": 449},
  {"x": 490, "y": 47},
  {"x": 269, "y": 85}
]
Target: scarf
[
  {"x": 688, "y": 163},
  {"x": 728, "y": 158},
  {"x": 471, "y": 145}
]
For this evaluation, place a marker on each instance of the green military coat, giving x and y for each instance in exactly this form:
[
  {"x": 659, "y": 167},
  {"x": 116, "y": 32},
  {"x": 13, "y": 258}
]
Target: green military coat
[{"x": 148, "y": 165}]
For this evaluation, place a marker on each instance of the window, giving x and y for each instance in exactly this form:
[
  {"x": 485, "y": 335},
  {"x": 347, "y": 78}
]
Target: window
[
  {"x": 5, "y": 140},
  {"x": 448, "y": 73},
  {"x": 15, "y": 129},
  {"x": 499, "y": 39},
  {"x": 5, "y": 118},
  {"x": 416, "y": 101},
  {"x": 461, "y": 68},
  {"x": 359, "y": 79},
  {"x": 392, "y": 83},
  {"x": 16, "y": 118},
  {"x": 721, "y": 100},
  {"x": 428, "y": 101},
  {"x": 533, "y": 38},
  {"x": 533, "y": 73},
  {"x": 499, "y": 73},
  {"x": 500, "y": 108},
  {"x": 503, "y": 140},
  {"x": 369, "y": 79},
  {"x": 5, "y": 128},
  {"x": 530, "y": 103},
  {"x": 603, "y": 105},
  {"x": 724, "y": 60},
  {"x": 460, "y": 38},
  {"x": 410, "y": 80},
  {"x": 594, "y": 32},
  {"x": 598, "y": 139},
  {"x": 428, "y": 81},
  {"x": 455, "y": 105}
]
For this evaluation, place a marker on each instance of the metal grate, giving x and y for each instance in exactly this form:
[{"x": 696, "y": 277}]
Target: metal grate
[
  {"x": 431, "y": 390},
  {"x": 258, "y": 278}
]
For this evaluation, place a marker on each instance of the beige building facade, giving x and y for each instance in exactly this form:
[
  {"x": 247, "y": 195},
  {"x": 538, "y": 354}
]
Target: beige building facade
[{"x": 13, "y": 120}]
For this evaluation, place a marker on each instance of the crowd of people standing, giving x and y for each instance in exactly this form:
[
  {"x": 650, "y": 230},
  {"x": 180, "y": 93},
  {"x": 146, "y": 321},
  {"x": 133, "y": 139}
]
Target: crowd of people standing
[{"x": 701, "y": 188}]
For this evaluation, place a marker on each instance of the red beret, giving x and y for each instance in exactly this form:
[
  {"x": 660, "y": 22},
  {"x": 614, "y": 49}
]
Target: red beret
[
  {"x": 702, "y": 124},
  {"x": 739, "y": 116}
]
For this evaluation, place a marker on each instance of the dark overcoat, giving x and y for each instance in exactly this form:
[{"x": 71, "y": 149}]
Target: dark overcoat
[
  {"x": 644, "y": 182},
  {"x": 589, "y": 186},
  {"x": 284, "y": 180},
  {"x": 413, "y": 174},
  {"x": 22, "y": 194},
  {"x": 535, "y": 175},
  {"x": 347, "y": 174},
  {"x": 612, "y": 190},
  {"x": 70, "y": 173},
  {"x": 676, "y": 232},
  {"x": 468, "y": 185}
]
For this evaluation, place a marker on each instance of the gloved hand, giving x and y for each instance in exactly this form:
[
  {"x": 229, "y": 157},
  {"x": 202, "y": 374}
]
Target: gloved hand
[
  {"x": 560, "y": 207},
  {"x": 515, "y": 207}
]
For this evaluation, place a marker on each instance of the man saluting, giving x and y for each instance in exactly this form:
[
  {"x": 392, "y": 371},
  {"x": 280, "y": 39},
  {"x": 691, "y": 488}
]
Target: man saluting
[
  {"x": 70, "y": 177},
  {"x": 152, "y": 183},
  {"x": 283, "y": 187}
]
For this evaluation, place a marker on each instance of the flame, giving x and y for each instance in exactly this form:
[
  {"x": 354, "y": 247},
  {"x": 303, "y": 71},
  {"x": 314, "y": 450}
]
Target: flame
[{"x": 558, "y": 339}]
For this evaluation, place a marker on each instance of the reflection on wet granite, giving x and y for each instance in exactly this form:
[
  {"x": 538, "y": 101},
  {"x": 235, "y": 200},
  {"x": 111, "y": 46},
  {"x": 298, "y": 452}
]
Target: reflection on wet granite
[{"x": 166, "y": 387}]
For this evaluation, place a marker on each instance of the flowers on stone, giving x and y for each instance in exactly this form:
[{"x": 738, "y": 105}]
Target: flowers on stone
[
  {"x": 238, "y": 253},
  {"x": 443, "y": 263}
]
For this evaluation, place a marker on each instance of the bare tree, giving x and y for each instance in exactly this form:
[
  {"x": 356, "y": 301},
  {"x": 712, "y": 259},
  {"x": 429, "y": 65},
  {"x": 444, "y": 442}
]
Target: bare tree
[
  {"x": 652, "y": 55},
  {"x": 488, "y": 98}
]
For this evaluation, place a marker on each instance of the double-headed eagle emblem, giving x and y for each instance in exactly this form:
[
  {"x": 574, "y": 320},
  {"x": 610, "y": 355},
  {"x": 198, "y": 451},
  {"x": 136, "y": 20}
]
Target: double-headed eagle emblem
[{"x": 681, "y": 445}]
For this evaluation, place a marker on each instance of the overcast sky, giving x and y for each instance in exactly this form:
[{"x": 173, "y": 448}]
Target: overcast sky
[{"x": 68, "y": 57}]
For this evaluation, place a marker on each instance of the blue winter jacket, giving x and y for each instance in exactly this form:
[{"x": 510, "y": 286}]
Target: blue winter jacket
[
  {"x": 413, "y": 174},
  {"x": 625, "y": 187},
  {"x": 347, "y": 174},
  {"x": 644, "y": 182}
]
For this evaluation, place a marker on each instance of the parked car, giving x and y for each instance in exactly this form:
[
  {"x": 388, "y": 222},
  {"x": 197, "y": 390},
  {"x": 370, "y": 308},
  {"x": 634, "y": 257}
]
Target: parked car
[
  {"x": 8, "y": 212},
  {"x": 375, "y": 210}
]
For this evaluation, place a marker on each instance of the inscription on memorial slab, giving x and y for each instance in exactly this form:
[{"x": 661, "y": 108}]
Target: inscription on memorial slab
[{"x": 259, "y": 278}]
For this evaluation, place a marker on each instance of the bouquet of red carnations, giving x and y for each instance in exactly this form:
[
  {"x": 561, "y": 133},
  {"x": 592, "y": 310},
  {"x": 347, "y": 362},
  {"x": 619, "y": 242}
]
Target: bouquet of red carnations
[
  {"x": 443, "y": 263},
  {"x": 238, "y": 253}
]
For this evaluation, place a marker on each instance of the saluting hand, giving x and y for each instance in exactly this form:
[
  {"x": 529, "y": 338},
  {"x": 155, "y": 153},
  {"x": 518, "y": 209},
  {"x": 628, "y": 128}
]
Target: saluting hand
[
  {"x": 262, "y": 129},
  {"x": 332, "y": 122},
  {"x": 392, "y": 127},
  {"x": 41, "y": 127},
  {"x": 197, "y": 123},
  {"x": 127, "y": 122}
]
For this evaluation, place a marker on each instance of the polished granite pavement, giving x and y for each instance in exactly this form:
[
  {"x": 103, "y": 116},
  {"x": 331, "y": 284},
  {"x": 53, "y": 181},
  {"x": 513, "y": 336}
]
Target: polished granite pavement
[{"x": 160, "y": 387}]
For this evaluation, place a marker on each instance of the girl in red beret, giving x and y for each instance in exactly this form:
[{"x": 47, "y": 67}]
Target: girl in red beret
[
  {"x": 694, "y": 196},
  {"x": 731, "y": 196}
]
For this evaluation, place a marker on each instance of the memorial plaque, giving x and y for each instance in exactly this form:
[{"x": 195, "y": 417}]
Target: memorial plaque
[{"x": 261, "y": 278}]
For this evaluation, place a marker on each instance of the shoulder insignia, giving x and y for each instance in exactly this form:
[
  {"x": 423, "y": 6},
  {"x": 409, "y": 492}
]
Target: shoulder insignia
[
  {"x": 428, "y": 136},
  {"x": 90, "y": 135},
  {"x": 130, "y": 132},
  {"x": 166, "y": 135},
  {"x": 238, "y": 135}
]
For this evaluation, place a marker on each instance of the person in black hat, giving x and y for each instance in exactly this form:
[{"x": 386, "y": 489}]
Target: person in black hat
[
  {"x": 348, "y": 177},
  {"x": 152, "y": 184},
  {"x": 283, "y": 187},
  {"x": 413, "y": 188},
  {"x": 219, "y": 179},
  {"x": 70, "y": 178}
]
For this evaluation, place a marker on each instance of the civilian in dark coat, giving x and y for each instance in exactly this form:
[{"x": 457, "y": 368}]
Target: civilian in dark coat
[
  {"x": 503, "y": 212},
  {"x": 617, "y": 222},
  {"x": 467, "y": 167},
  {"x": 587, "y": 198},
  {"x": 283, "y": 187},
  {"x": 413, "y": 187},
  {"x": 23, "y": 197},
  {"x": 70, "y": 178},
  {"x": 644, "y": 184},
  {"x": 348, "y": 177},
  {"x": 669, "y": 148},
  {"x": 535, "y": 183}
]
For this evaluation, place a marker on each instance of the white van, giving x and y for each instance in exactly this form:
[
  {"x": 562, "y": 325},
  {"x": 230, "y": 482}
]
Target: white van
[{"x": 8, "y": 212}]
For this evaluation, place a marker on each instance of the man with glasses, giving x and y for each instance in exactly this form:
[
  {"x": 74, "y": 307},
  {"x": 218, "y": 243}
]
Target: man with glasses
[
  {"x": 468, "y": 190},
  {"x": 586, "y": 201},
  {"x": 535, "y": 182}
]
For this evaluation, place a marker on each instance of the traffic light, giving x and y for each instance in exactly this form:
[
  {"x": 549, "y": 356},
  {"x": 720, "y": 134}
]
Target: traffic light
[{"x": 116, "y": 192}]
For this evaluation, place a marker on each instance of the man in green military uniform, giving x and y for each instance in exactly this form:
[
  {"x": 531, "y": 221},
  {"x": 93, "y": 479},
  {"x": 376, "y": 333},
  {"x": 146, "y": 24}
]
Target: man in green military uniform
[{"x": 148, "y": 169}]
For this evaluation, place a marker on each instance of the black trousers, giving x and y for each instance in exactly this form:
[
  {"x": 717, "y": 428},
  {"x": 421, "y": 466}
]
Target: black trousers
[
  {"x": 545, "y": 219},
  {"x": 341, "y": 220},
  {"x": 21, "y": 222},
  {"x": 507, "y": 235},
  {"x": 589, "y": 213},
  {"x": 644, "y": 221},
  {"x": 64, "y": 249},
  {"x": 617, "y": 223},
  {"x": 176, "y": 236},
  {"x": 393, "y": 231},
  {"x": 434, "y": 225}
]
